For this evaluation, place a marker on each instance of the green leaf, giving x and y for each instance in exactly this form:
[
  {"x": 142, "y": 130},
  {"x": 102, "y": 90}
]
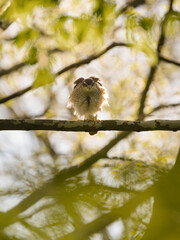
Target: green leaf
[
  {"x": 105, "y": 13},
  {"x": 81, "y": 26},
  {"x": 44, "y": 77},
  {"x": 146, "y": 23},
  {"x": 32, "y": 56},
  {"x": 92, "y": 27},
  {"x": 21, "y": 8},
  {"x": 171, "y": 23},
  {"x": 26, "y": 35}
]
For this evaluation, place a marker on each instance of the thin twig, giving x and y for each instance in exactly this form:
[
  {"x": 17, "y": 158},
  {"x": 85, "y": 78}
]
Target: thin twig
[
  {"x": 169, "y": 61},
  {"x": 12, "y": 69},
  {"x": 163, "y": 106},
  {"x": 14, "y": 95},
  {"x": 171, "y": 5}
]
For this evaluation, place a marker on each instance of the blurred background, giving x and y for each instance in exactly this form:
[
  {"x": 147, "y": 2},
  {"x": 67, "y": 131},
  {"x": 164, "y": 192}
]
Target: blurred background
[{"x": 131, "y": 191}]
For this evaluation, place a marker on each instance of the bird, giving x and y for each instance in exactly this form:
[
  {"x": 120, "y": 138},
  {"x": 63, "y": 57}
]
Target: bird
[{"x": 87, "y": 98}]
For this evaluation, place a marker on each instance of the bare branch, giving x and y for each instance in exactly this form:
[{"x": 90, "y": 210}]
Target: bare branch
[
  {"x": 12, "y": 69},
  {"x": 65, "y": 69},
  {"x": 76, "y": 65},
  {"x": 163, "y": 106},
  {"x": 171, "y": 5},
  {"x": 18, "y": 66},
  {"x": 89, "y": 126},
  {"x": 152, "y": 70},
  {"x": 81, "y": 62},
  {"x": 71, "y": 66},
  {"x": 144, "y": 93},
  {"x": 169, "y": 61},
  {"x": 92, "y": 57},
  {"x": 14, "y": 95}
]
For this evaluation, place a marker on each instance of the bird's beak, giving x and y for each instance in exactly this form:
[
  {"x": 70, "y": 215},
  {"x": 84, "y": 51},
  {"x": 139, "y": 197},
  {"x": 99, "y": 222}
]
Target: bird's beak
[{"x": 89, "y": 86}]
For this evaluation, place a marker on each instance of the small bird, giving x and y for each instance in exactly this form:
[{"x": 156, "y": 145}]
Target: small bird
[{"x": 87, "y": 98}]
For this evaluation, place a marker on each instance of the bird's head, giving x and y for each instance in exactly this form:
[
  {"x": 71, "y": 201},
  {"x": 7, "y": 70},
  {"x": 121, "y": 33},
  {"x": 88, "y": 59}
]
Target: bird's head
[{"x": 88, "y": 83}]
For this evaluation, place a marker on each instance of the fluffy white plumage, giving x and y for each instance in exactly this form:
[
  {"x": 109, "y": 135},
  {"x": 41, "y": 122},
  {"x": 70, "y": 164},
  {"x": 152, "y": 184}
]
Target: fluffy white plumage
[{"x": 88, "y": 97}]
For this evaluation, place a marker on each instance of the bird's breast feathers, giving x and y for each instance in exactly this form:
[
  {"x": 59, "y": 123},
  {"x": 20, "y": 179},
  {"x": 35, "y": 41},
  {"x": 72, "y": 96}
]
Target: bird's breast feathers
[{"x": 87, "y": 101}]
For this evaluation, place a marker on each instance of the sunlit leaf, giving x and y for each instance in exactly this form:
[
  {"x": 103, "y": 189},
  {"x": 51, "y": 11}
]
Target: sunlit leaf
[
  {"x": 104, "y": 12},
  {"x": 72, "y": 30},
  {"x": 63, "y": 31},
  {"x": 21, "y": 8},
  {"x": 43, "y": 77},
  {"x": 146, "y": 23},
  {"x": 27, "y": 35},
  {"x": 131, "y": 25},
  {"x": 171, "y": 23},
  {"x": 32, "y": 56},
  {"x": 81, "y": 28}
]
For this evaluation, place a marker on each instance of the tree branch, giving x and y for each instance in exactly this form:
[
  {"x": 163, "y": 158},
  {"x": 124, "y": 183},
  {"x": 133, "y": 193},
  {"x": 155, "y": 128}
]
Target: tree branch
[
  {"x": 144, "y": 93},
  {"x": 153, "y": 68},
  {"x": 63, "y": 70},
  {"x": 14, "y": 95},
  {"x": 105, "y": 219},
  {"x": 18, "y": 66},
  {"x": 169, "y": 61},
  {"x": 92, "y": 57},
  {"x": 89, "y": 126},
  {"x": 74, "y": 65},
  {"x": 81, "y": 62},
  {"x": 12, "y": 69},
  {"x": 163, "y": 106},
  {"x": 171, "y": 5},
  {"x": 48, "y": 188}
]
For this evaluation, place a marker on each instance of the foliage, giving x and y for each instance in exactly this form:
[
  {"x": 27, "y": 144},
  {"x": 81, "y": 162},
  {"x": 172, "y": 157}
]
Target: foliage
[
  {"x": 44, "y": 76},
  {"x": 62, "y": 185}
]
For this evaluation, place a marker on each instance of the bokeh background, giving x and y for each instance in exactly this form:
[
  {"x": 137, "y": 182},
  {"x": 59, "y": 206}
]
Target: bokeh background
[{"x": 131, "y": 191}]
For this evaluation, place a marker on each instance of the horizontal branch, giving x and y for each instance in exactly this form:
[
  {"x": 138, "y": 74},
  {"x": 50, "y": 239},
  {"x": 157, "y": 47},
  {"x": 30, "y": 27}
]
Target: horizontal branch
[{"x": 89, "y": 126}]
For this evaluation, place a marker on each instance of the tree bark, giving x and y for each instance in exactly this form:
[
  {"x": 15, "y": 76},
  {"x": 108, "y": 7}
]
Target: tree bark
[{"x": 89, "y": 126}]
